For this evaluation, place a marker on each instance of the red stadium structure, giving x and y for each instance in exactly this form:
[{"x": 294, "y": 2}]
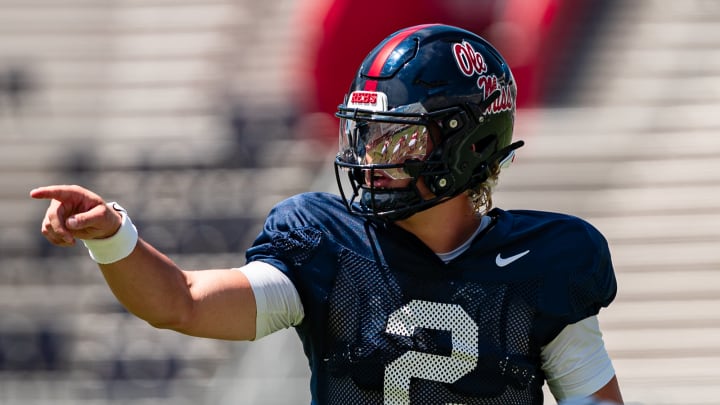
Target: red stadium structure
[{"x": 534, "y": 35}]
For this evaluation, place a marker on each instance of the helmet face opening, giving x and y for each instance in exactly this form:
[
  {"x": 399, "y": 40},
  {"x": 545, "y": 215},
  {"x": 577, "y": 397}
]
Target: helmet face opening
[
  {"x": 432, "y": 105},
  {"x": 385, "y": 146}
]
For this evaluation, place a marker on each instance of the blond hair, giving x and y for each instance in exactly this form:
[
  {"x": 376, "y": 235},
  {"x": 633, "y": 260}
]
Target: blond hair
[{"x": 480, "y": 196}]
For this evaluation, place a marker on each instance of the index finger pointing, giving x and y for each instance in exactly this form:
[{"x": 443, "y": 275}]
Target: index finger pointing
[{"x": 61, "y": 192}]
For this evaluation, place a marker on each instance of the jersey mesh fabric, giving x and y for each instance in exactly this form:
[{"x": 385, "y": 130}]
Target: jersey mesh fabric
[
  {"x": 386, "y": 321},
  {"x": 468, "y": 341}
]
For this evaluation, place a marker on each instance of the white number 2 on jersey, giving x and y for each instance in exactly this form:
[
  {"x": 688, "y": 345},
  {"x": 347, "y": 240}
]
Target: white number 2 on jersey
[{"x": 446, "y": 369}]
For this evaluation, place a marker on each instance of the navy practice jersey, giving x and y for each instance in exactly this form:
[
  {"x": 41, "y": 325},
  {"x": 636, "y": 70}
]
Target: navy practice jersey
[{"x": 386, "y": 321}]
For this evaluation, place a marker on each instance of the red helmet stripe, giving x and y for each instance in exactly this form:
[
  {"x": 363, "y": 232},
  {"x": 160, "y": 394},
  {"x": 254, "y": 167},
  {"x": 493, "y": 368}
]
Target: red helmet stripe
[{"x": 386, "y": 51}]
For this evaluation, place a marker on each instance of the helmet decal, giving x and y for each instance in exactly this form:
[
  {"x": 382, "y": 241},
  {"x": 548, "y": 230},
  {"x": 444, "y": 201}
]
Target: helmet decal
[
  {"x": 368, "y": 100},
  {"x": 384, "y": 54},
  {"x": 490, "y": 84},
  {"x": 472, "y": 62},
  {"x": 468, "y": 59}
]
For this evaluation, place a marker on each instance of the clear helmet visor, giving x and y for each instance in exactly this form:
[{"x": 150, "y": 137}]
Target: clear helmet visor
[{"x": 382, "y": 146}]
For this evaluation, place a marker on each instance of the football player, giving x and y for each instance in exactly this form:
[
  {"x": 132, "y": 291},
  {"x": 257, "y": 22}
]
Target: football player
[{"x": 408, "y": 287}]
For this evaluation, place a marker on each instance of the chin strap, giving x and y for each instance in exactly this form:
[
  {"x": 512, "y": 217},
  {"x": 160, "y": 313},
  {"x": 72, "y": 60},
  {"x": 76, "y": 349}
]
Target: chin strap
[
  {"x": 505, "y": 152},
  {"x": 498, "y": 156}
]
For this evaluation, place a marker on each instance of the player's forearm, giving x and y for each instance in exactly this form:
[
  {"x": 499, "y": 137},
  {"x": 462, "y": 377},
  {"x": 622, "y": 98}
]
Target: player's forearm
[{"x": 151, "y": 286}]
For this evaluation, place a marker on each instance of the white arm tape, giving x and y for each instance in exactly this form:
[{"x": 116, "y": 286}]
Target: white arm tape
[
  {"x": 278, "y": 302},
  {"x": 576, "y": 363},
  {"x": 116, "y": 247}
]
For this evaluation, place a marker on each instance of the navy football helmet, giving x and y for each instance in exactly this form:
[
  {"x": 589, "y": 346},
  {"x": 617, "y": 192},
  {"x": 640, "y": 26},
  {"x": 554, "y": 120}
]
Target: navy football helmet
[{"x": 431, "y": 103}]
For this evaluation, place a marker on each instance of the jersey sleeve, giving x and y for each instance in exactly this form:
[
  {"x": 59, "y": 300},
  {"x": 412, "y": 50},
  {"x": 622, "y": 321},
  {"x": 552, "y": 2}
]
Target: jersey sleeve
[
  {"x": 592, "y": 286},
  {"x": 299, "y": 239},
  {"x": 580, "y": 281},
  {"x": 289, "y": 238}
]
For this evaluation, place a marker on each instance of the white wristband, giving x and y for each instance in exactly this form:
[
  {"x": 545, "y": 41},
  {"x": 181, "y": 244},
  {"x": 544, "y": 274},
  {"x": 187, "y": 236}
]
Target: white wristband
[{"x": 118, "y": 246}]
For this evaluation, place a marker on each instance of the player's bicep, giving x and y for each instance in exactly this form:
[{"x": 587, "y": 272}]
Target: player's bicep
[
  {"x": 610, "y": 393},
  {"x": 223, "y": 305},
  {"x": 241, "y": 304}
]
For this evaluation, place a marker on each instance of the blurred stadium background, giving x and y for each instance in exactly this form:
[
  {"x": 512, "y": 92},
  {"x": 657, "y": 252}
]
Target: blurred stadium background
[{"x": 199, "y": 115}]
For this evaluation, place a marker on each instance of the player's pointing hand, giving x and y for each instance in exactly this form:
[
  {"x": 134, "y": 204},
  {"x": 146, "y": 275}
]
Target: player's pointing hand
[{"x": 75, "y": 212}]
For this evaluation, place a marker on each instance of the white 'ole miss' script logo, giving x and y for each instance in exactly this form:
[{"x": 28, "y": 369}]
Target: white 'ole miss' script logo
[{"x": 471, "y": 62}]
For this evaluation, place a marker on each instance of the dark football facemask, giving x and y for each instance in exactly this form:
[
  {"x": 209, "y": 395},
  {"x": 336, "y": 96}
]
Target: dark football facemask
[
  {"x": 394, "y": 145},
  {"x": 404, "y": 143}
]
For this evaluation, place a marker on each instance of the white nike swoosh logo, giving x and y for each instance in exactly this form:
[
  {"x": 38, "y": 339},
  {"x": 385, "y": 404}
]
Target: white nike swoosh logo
[{"x": 502, "y": 262}]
